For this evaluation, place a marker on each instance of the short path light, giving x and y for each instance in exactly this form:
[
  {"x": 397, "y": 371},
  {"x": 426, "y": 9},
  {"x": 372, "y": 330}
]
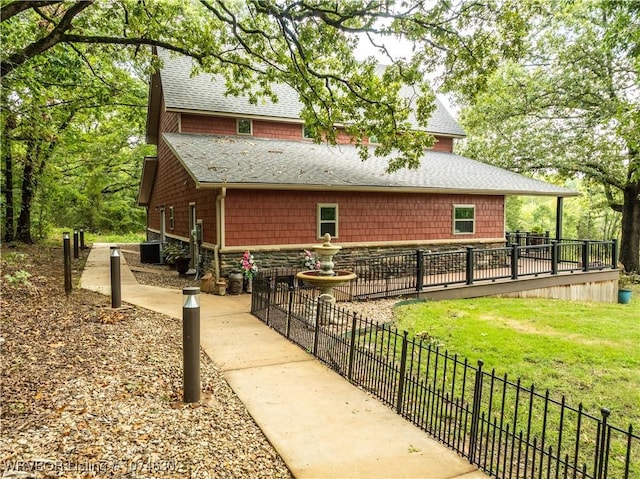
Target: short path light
[
  {"x": 116, "y": 293},
  {"x": 191, "y": 344},
  {"x": 66, "y": 251},
  {"x": 76, "y": 245}
]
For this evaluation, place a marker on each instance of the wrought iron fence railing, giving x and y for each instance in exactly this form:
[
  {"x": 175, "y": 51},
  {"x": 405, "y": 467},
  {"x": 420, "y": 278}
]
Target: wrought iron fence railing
[
  {"x": 403, "y": 274},
  {"x": 503, "y": 427},
  {"x": 411, "y": 273}
]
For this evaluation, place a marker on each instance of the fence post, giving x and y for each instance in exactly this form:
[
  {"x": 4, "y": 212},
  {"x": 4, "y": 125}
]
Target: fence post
[
  {"x": 403, "y": 369},
  {"x": 469, "y": 264},
  {"x": 614, "y": 253},
  {"x": 514, "y": 261},
  {"x": 267, "y": 282},
  {"x": 518, "y": 237},
  {"x": 419, "y": 270},
  {"x": 66, "y": 251},
  {"x": 76, "y": 245},
  {"x": 291, "y": 290},
  {"x": 191, "y": 345},
  {"x": 352, "y": 345},
  {"x": 116, "y": 292},
  {"x": 602, "y": 447},
  {"x": 585, "y": 255},
  {"x": 475, "y": 413},
  {"x": 554, "y": 257},
  {"x": 547, "y": 235},
  {"x": 316, "y": 332},
  {"x": 82, "y": 245}
]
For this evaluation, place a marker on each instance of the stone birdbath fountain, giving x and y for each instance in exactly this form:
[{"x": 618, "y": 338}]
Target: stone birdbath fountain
[{"x": 326, "y": 278}]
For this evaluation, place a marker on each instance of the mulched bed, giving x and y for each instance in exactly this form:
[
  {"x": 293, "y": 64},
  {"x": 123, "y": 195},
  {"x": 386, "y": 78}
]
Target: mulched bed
[{"x": 88, "y": 391}]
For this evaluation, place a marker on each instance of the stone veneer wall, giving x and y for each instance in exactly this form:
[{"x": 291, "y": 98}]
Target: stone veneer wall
[{"x": 345, "y": 259}]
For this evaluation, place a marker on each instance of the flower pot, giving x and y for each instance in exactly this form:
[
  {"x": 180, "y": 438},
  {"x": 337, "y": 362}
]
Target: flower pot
[
  {"x": 624, "y": 296},
  {"x": 182, "y": 265},
  {"x": 207, "y": 284},
  {"x": 248, "y": 285},
  {"x": 222, "y": 287},
  {"x": 235, "y": 282}
]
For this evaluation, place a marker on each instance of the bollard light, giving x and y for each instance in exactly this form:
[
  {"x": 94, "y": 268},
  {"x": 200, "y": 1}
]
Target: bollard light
[
  {"x": 82, "y": 245},
  {"x": 191, "y": 344},
  {"x": 116, "y": 295},
  {"x": 76, "y": 245},
  {"x": 66, "y": 251}
]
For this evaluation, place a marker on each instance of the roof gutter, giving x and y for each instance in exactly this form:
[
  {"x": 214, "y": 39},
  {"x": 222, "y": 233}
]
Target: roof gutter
[{"x": 387, "y": 189}]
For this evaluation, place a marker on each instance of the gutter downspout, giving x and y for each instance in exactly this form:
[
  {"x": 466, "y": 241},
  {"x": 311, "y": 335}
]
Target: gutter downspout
[{"x": 219, "y": 229}]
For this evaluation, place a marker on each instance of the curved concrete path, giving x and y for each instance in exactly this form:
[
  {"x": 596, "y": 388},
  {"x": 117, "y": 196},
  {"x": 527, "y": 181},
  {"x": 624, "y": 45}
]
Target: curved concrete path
[{"x": 320, "y": 424}]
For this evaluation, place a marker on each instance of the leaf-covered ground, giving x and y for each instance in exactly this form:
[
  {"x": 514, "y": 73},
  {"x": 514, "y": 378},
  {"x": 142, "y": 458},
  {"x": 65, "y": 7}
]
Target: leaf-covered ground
[{"x": 88, "y": 391}]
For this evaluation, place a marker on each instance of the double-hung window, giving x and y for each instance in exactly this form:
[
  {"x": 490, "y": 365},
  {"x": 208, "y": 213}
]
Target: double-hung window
[
  {"x": 464, "y": 218},
  {"x": 327, "y": 220}
]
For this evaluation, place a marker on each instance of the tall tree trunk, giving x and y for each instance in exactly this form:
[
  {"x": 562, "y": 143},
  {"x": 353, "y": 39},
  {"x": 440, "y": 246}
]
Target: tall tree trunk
[
  {"x": 7, "y": 177},
  {"x": 28, "y": 191},
  {"x": 630, "y": 244}
]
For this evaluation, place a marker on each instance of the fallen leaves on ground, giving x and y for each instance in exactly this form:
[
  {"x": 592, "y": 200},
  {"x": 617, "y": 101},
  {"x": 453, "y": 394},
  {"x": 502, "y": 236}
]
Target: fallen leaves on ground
[{"x": 89, "y": 391}]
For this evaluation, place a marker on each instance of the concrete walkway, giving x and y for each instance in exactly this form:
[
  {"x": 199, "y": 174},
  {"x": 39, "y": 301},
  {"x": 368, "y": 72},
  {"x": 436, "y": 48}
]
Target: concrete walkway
[{"x": 320, "y": 424}]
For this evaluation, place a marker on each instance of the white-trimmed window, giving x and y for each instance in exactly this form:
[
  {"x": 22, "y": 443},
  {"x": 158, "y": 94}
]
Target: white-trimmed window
[
  {"x": 464, "y": 219},
  {"x": 172, "y": 218},
  {"x": 244, "y": 126},
  {"x": 327, "y": 220}
]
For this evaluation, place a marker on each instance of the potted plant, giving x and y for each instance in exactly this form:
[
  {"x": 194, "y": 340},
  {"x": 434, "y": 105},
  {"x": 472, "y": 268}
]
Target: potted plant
[
  {"x": 624, "y": 288},
  {"x": 249, "y": 269},
  {"x": 178, "y": 255}
]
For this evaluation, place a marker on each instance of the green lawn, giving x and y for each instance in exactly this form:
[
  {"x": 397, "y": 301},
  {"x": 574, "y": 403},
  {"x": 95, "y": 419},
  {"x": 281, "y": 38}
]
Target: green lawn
[
  {"x": 55, "y": 237},
  {"x": 588, "y": 352}
]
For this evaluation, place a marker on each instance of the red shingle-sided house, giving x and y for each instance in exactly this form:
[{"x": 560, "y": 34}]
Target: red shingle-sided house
[{"x": 251, "y": 179}]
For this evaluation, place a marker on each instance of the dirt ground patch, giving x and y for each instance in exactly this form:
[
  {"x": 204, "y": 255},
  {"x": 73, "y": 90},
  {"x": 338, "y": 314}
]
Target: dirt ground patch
[{"x": 88, "y": 391}]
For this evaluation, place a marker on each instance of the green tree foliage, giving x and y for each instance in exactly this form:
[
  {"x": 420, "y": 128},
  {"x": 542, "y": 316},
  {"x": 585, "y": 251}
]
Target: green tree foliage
[
  {"x": 570, "y": 107},
  {"x": 73, "y": 141},
  {"x": 308, "y": 45},
  {"x": 93, "y": 179}
]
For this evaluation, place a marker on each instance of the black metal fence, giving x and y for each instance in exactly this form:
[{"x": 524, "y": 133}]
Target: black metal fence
[
  {"x": 503, "y": 427},
  {"x": 407, "y": 274},
  {"x": 404, "y": 274}
]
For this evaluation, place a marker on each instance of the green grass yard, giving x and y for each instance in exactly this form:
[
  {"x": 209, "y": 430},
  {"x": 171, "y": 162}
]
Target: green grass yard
[
  {"x": 588, "y": 352},
  {"x": 55, "y": 237}
]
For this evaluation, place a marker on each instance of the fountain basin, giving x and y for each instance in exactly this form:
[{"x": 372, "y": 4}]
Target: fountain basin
[
  {"x": 326, "y": 279},
  {"x": 317, "y": 279}
]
